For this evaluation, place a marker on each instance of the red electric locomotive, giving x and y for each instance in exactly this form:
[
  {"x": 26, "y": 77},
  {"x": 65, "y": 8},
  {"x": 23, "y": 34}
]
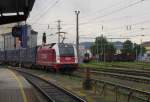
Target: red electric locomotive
[{"x": 59, "y": 57}]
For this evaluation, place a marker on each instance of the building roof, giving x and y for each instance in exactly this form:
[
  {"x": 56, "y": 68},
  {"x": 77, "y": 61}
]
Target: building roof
[
  {"x": 34, "y": 32},
  {"x": 118, "y": 44},
  {"x": 147, "y": 43}
]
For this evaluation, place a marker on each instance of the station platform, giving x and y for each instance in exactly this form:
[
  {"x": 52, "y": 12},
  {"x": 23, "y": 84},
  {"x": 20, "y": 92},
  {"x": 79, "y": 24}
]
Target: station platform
[{"x": 14, "y": 88}]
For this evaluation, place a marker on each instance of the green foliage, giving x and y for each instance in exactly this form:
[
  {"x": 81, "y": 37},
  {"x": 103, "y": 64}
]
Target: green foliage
[
  {"x": 101, "y": 45},
  {"x": 110, "y": 49},
  {"x": 132, "y": 49},
  {"x": 138, "y": 49},
  {"x": 127, "y": 48}
]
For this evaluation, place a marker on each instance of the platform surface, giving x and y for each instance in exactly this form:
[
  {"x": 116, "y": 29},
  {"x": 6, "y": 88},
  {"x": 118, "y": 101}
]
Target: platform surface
[{"x": 14, "y": 88}]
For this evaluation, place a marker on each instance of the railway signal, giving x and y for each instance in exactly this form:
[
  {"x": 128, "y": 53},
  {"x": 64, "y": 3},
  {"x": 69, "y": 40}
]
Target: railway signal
[{"x": 44, "y": 38}]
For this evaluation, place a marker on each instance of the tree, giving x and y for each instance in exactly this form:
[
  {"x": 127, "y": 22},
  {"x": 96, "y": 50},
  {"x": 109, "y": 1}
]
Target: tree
[
  {"x": 127, "y": 48},
  {"x": 132, "y": 49},
  {"x": 102, "y": 46},
  {"x": 110, "y": 49},
  {"x": 138, "y": 49}
]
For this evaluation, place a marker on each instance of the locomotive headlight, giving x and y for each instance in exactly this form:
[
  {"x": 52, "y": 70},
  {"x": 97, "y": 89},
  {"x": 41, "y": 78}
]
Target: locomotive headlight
[
  {"x": 58, "y": 59},
  {"x": 76, "y": 60}
]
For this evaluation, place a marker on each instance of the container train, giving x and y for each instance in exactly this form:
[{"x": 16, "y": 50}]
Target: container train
[{"x": 56, "y": 57}]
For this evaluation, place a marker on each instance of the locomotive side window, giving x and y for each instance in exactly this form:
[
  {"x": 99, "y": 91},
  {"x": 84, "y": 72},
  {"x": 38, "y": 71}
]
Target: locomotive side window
[{"x": 66, "y": 50}]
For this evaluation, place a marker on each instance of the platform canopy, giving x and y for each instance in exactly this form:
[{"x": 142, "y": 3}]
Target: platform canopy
[{"x": 12, "y": 11}]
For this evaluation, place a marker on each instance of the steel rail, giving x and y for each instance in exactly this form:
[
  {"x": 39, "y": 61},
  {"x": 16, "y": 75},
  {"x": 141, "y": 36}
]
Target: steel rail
[
  {"x": 124, "y": 87},
  {"x": 123, "y": 76},
  {"x": 51, "y": 91},
  {"x": 129, "y": 91},
  {"x": 124, "y": 71}
]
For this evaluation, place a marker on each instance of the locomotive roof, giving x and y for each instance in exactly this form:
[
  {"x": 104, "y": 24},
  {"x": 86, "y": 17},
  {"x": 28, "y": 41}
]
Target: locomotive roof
[
  {"x": 48, "y": 45},
  {"x": 52, "y": 44}
]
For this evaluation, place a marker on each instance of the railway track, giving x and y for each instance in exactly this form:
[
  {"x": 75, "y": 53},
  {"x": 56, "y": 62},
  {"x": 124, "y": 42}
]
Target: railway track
[
  {"x": 130, "y": 92},
  {"x": 124, "y": 76},
  {"x": 125, "y": 71},
  {"x": 52, "y": 92},
  {"x": 137, "y": 76},
  {"x": 133, "y": 72},
  {"x": 144, "y": 96},
  {"x": 118, "y": 89}
]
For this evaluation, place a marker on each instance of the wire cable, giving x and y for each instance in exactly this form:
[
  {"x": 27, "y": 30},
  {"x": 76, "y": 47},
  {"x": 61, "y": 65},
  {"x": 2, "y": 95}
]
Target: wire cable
[
  {"x": 41, "y": 7},
  {"x": 115, "y": 11},
  {"x": 43, "y": 13}
]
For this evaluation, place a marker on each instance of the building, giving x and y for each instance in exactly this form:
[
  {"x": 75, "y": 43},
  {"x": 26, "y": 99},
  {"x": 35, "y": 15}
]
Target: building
[
  {"x": 146, "y": 56},
  {"x": 119, "y": 46},
  {"x": 8, "y": 41},
  {"x": 147, "y": 46},
  {"x": 29, "y": 39}
]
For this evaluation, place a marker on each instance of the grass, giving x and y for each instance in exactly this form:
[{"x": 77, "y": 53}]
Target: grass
[{"x": 128, "y": 65}]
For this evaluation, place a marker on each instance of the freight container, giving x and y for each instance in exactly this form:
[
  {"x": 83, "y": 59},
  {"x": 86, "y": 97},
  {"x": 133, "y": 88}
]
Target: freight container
[
  {"x": 28, "y": 56},
  {"x": 2, "y": 56}
]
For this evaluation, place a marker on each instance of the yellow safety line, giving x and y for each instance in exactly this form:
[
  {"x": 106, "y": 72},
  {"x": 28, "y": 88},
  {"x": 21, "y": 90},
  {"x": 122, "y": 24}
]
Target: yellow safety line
[{"x": 20, "y": 86}]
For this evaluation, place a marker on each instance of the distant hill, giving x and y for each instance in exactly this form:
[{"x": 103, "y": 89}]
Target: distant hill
[
  {"x": 118, "y": 44},
  {"x": 87, "y": 45}
]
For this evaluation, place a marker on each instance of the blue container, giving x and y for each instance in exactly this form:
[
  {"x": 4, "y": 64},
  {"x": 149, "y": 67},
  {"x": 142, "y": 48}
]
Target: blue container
[
  {"x": 31, "y": 55},
  {"x": 28, "y": 55},
  {"x": 24, "y": 31},
  {"x": 12, "y": 55},
  {"x": 2, "y": 55}
]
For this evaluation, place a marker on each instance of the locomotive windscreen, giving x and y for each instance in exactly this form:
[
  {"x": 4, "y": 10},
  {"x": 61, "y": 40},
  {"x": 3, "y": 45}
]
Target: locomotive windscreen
[{"x": 66, "y": 50}]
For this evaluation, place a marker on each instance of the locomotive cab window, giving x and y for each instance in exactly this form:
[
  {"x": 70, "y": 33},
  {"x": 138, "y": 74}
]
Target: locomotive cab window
[{"x": 66, "y": 50}]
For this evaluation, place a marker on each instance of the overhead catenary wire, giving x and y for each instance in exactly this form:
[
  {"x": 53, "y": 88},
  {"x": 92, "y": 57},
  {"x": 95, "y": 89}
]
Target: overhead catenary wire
[
  {"x": 120, "y": 27},
  {"x": 40, "y": 8},
  {"x": 81, "y": 24},
  {"x": 102, "y": 10},
  {"x": 43, "y": 13},
  {"x": 135, "y": 32},
  {"x": 113, "y": 12},
  {"x": 69, "y": 27},
  {"x": 123, "y": 18}
]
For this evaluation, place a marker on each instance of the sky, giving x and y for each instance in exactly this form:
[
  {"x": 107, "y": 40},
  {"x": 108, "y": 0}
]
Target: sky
[{"x": 113, "y": 15}]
